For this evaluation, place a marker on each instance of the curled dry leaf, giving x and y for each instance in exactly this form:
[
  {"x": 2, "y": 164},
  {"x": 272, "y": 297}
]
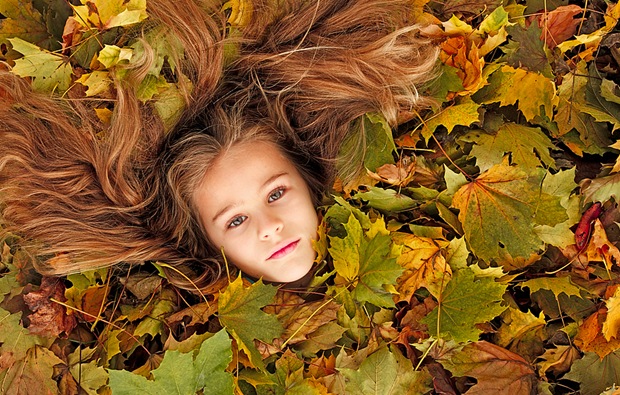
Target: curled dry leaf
[{"x": 49, "y": 318}]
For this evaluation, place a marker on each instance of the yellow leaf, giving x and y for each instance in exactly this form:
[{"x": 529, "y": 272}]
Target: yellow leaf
[
  {"x": 97, "y": 82},
  {"x": 616, "y": 167},
  {"x": 240, "y": 12},
  {"x": 106, "y": 14},
  {"x": 425, "y": 265},
  {"x": 611, "y": 325}
]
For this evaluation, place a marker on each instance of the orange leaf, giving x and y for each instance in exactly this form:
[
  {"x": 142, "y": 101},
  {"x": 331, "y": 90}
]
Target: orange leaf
[
  {"x": 590, "y": 336},
  {"x": 558, "y": 25}
]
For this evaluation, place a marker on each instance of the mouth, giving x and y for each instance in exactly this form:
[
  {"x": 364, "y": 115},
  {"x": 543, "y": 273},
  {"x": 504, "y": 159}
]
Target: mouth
[{"x": 284, "y": 250}]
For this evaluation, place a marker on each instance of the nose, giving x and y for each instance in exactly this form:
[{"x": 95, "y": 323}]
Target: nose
[{"x": 270, "y": 225}]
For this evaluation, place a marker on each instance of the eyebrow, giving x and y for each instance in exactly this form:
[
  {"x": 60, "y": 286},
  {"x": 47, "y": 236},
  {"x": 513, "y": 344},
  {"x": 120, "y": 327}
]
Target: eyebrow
[{"x": 267, "y": 182}]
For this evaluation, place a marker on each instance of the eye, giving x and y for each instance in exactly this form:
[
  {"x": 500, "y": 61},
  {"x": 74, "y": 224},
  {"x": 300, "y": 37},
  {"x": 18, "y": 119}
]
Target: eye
[
  {"x": 237, "y": 221},
  {"x": 276, "y": 194}
]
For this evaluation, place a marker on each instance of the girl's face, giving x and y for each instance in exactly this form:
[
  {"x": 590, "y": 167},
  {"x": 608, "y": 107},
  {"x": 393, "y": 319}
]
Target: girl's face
[{"x": 254, "y": 203}]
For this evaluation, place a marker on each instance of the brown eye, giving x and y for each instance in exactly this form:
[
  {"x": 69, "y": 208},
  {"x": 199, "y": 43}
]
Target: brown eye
[
  {"x": 275, "y": 195},
  {"x": 237, "y": 221}
]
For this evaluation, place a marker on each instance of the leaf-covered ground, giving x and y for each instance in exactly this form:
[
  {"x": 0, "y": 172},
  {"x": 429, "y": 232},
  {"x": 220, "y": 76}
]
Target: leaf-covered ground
[{"x": 478, "y": 255}]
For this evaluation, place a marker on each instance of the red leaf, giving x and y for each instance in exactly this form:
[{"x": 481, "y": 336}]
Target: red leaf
[{"x": 49, "y": 318}]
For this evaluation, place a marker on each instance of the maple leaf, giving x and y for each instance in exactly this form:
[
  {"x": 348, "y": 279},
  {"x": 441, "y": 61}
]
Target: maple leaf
[
  {"x": 425, "y": 265},
  {"x": 528, "y": 146},
  {"x": 32, "y": 375},
  {"x": 558, "y": 360},
  {"x": 22, "y": 21},
  {"x": 601, "y": 189},
  {"x": 51, "y": 72},
  {"x": 366, "y": 260},
  {"x": 590, "y": 337},
  {"x": 500, "y": 209},
  {"x": 239, "y": 311},
  {"x": 464, "y": 113},
  {"x": 611, "y": 326},
  {"x": 183, "y": 374},
  {"x": 595, "y": 374},
  {"x": 559, "y": 24},
  {"x": 557, "y": 285},
  {"x": 462, "y": 54},
  {"x": 522, "y": 333},
  {"x": 497, "y": 370},
  {"x": 534, "y": 93},
  {"x": 465, "y": 302},
  {"x": 526, "y": 49},
  {"x": 385, "y": 373},
  {"x": 49, "y": 318},
  {"x": 106, "y": 14}
]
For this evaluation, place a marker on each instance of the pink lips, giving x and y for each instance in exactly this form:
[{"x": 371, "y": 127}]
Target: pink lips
[{"x": 287, "y": 249}]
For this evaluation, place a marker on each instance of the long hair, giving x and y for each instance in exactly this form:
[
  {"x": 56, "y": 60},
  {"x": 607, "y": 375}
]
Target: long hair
[
  {"x": 303, "y": 73},
  {"x": 73, "y": 187}
]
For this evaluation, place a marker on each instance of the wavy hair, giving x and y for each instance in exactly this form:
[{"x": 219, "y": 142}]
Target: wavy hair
[{"x": 304, "y": 72}]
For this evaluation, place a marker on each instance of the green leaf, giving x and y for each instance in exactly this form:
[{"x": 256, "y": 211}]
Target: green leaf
[
  {"x": 465, "y": 302},
  {"x": 377, "y": 135},
  {"x": 381, "y": 373},
  {"x": 528, "y": 146},
  {"x": 594, "y": 374},
  {"x": 377, "y": 269},
  {"x": 500, "y": 209},
  {"x": 183, "y": 374},
  {"x": 366, "y": 261},
  {"x": 527, "y": 50},
  {"x": 51, "y": 72},
  {"x": 239, "y": 311},
  {"x": 387, "y": 200}
]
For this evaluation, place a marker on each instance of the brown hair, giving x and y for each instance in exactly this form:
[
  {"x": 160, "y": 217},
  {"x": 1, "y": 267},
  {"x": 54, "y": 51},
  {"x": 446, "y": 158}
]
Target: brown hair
[{"x": 304, "y": 72}]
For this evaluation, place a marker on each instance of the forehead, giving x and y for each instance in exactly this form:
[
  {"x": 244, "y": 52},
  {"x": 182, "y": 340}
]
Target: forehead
[{"x": 240, "y": 172}]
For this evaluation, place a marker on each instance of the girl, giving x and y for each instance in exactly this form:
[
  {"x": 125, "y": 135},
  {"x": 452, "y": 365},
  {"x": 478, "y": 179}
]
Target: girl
[{"x": 242, "y": 171}]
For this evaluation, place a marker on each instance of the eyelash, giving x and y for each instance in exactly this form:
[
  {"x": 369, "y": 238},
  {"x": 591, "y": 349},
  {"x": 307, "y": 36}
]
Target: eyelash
[{"x": 281, "y": 190}]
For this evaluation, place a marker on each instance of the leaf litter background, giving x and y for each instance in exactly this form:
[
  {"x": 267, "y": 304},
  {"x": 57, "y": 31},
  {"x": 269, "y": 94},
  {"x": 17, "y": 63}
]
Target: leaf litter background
[{"x": 479, "y": 254}]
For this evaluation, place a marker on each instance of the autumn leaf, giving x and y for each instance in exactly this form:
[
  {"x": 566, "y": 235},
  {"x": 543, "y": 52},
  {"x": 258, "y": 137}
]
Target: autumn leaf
[
  {"x": 383, "y": 373},
  {"x": 425, "y": 265},
  {"x": 533, "y": 93},
  {"x": 239, "y": 311},
  {"x": 106, "y": 14},
  {"x": 183, "y": 373},
  {"x": 49, "y": 318},
  {"x": 595, "y": 374},
  {"x": 387, "y": 200},
  {"x": 529, "y": 147},
  {"x": 497, "y": 370},
  {"x": 465, "y": 302},
  {"x": 500, "y": 209},
  {"x": 366, "y": 261},
  {"x": 23, "y": 21},
  {"x": 602, "y": 189},
  {"x": 464, "y": 113},
  {"x": 557, "y": 285},
  {"x": 590, "y": 337},
  {"x": 32, "y": 375},
  {"x": 51, "y": 72},
  {"x": 558, "y": 25},
  {"x": 461, "y": 54}
]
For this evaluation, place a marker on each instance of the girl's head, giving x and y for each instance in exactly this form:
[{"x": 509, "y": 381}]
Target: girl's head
[{"x": 237, "y": 187}]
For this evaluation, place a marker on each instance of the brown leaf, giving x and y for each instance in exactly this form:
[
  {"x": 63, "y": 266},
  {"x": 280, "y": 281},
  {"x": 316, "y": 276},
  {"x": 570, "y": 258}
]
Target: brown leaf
[
  {"x": 558, "y": 360},
  {"x": 142, "y": 285},
  {"x": 399, "y": 174},
  {"x": 497, "y": 370},
  {"x": 558, "y": 25},
  {"x": 198, "y": 313},
  {"x": 49, "y": 318}
]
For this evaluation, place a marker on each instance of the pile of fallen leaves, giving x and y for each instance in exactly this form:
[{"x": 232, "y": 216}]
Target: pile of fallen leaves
[{"x": 479, "y": 254}]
